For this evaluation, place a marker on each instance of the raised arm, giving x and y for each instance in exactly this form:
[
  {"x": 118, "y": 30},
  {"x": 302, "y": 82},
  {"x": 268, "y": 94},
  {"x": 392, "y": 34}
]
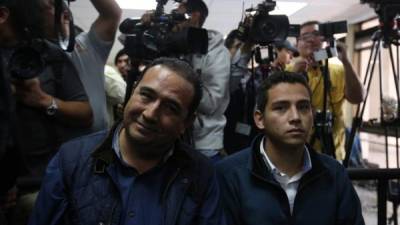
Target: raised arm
[
  {"x": 354, "y": 89},
  {"x": 107, "y": 22}
]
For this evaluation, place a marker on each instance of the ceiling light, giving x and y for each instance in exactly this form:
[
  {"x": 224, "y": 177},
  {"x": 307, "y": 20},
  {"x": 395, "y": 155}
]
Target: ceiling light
[
  {"x": 137, "y": 4},
  {"x": 288, "y": 8}
]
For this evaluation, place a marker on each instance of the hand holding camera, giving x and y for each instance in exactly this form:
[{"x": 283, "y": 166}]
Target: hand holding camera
[{"x": 30, "y": 93}]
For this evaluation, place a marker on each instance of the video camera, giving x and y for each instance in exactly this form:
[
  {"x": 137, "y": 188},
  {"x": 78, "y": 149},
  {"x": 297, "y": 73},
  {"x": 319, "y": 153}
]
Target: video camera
[
  {"x": 389, "y": 17},
  {"x": 327, "y": 30},
  {"x": 149, "y": 41},
  {"x": 265, "y": 29},
  {"x": 29, "y": 58}
]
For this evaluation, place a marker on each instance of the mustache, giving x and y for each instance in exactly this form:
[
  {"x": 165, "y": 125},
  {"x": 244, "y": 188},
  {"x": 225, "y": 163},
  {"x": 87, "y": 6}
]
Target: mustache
[{"x": 148, "y": 125}]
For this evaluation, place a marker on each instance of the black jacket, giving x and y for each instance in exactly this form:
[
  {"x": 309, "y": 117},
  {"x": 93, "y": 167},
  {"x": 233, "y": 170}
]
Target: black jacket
[{"x": 251, "y": 195}]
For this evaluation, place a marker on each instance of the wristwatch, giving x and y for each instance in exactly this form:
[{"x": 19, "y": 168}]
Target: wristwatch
[{"x": 52, "y": 109}]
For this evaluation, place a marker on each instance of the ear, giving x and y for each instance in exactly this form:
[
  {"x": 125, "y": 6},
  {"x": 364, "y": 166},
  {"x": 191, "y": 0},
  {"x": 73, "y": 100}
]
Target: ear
[
  {"x": 4, "y": 14},
  {"x": 188, "y": 123},
  {"x": 195, "y": 19},
  {"x": 259, "y": 119},
  {"x": 65, "y": 16}
]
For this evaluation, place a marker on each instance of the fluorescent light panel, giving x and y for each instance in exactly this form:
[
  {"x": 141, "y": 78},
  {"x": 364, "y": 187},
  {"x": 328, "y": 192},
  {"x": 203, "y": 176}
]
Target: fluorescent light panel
[
  {"x": 137, "y": 4},
  {"x": 288, "y": 8}
]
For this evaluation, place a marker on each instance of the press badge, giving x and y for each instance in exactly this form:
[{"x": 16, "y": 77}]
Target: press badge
[{"x": 242, "y": 128}]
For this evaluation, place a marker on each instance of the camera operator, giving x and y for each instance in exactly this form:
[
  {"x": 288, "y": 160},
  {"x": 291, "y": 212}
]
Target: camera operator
[
  {"x": 344, "y": 82},
  {"x": 214, "y": 70},
  {"x": 240, "y": 128},
  {"x": 213, "y": 67},
  {"x": 91, "y": 50},
  {"x": 284, "y": 55},
  {"x": 51, "y": 105}
]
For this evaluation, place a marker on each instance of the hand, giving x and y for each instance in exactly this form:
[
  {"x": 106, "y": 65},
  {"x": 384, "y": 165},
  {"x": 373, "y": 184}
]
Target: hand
[
  {"x": 342, "y": 51},
  {"x": 30, "y": 93},
  {"x": 300, "y": 65},
  {"x": 9, "y": 199},
  {"x": 147, "y": 17}
]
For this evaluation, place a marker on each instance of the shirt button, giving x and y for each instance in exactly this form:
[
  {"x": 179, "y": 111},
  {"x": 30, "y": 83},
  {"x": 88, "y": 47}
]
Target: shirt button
[{"x": 131, "y": 214}]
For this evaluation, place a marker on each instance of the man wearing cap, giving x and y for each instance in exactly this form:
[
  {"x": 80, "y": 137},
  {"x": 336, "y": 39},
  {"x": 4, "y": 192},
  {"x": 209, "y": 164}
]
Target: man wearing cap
[{"x": 285, "y": 53}]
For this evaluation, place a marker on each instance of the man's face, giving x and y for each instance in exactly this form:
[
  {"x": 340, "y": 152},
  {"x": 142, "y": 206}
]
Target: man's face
[
  {"x": 309, "y": 40},
  {"x": 123, "y": 65},
  {"x": 287, "y": 117},
  {"x": 157, "y": 112},
  {"x": 284, "y": 56},
  {"x": 48, "y": 10},
  {"x": 8, "y": 35},
  {"x": 191, "y": 22}
]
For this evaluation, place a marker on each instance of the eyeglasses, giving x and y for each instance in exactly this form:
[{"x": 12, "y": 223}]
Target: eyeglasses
[{"x": 310, "y": 35}]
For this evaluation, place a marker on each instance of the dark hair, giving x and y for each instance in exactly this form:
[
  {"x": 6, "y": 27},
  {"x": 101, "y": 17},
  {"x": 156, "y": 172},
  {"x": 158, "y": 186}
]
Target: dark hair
[
  {"x": 119, "y": 54},
  {"x": 198, "y": 6},
  {"x": 184, "y": 70},
  {"x": 275, "y": 79},
  {"x": 308, "y": 23},
  {"x": 25, "y": 17},
  {"x": 230, "y": 38}
]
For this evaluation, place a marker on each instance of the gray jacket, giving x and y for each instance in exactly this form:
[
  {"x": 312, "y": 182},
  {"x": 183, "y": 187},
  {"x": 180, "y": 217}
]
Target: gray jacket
[{"x": 215, "y": 70}]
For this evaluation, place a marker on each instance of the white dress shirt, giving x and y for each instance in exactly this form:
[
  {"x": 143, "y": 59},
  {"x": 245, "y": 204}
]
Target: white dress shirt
[{"x": 289, "y": 184}]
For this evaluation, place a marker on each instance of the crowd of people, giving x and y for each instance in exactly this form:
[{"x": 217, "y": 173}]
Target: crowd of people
[{"x": 199, "y": 139}]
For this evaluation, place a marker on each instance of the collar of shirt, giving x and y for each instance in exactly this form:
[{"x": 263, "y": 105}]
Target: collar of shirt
[
  {"x": 117, "y": 149},
  {"x": 282, "y": 176}
]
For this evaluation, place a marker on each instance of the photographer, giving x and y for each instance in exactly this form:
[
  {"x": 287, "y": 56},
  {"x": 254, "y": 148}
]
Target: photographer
[
  {"x": 50, "y": 103},
  {"x": 90, "y": 52},
  {"x": 213, "y": 68},
  {"x": 344, "y": 82},
  {"x": 240, "y": 128}
]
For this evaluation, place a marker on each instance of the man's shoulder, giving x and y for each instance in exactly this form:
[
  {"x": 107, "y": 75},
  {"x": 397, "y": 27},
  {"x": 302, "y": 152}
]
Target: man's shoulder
[
  {"x": 336, "y": 68},
  {"x": 236, "y": 162},
  {"x": 80, "y": 148},
  {"x": 215, "y": 41},
  {"x": 331, "y": 164},
  {"x": 196, "y": 158}
]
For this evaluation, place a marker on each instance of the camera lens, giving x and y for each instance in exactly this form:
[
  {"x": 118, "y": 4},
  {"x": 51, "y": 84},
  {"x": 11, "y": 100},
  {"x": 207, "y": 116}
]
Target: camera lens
[{"x": 267, "y": 29}]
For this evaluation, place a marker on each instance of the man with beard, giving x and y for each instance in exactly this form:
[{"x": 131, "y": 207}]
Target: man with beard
[
  {"x": 139, "y": 172},
  {"x": 279, "y": 179}
]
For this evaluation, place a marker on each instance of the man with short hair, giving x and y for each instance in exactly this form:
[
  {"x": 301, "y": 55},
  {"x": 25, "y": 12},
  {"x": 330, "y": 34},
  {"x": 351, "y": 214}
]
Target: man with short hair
[
  {"x": 344, "y": 82},
  {"x": 139, "y": 172},
  {"x": 279, "y": 179},
  {"x": 123, "y": 63}
]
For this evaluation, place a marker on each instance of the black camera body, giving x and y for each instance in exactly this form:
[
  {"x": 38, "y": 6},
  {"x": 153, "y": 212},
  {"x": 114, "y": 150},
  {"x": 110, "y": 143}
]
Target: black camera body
[
  {"x": 27, "y": 61},
  {"x": 327, "y": 30},
  {"x": 266, "y": 29},
  {"x": 387, "y": 11},
  {"x": 158, "y": 38}
]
